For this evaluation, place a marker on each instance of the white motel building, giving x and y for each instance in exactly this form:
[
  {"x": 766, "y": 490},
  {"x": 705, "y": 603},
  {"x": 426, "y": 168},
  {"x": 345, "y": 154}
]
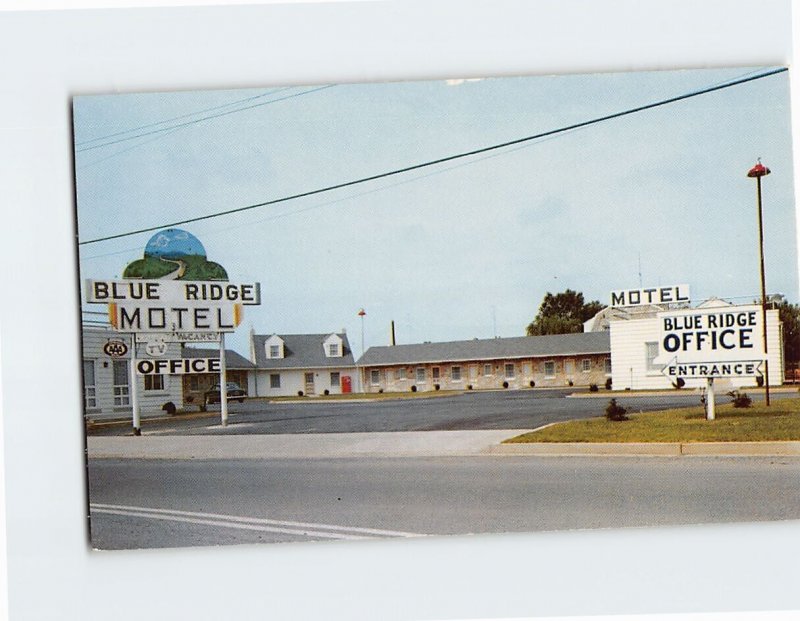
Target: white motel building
[
  {"x": 636, "y": 349},
  {"x": 622, "y": 347}
]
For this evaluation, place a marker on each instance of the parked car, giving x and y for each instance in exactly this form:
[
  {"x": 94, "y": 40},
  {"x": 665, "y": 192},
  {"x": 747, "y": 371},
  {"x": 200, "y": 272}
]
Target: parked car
[{"x": 233, "y": 390}]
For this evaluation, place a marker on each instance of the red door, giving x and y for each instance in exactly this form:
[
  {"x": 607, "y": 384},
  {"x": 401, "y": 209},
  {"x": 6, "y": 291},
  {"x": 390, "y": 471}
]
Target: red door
[{"x": 347, "y": 384}]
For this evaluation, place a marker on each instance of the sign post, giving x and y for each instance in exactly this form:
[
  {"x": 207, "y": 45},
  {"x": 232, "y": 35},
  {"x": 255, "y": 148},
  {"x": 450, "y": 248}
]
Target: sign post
[
  {"x": 223, "y": 383},
  {"x": 137, "y": 422},
  {"x": 710, "y": 399}
]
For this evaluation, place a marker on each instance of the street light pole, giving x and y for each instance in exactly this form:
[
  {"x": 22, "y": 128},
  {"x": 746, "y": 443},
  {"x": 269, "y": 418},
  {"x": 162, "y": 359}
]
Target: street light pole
[
  {"x": 758, "y": 171},
  {"x": 362, "y": 380}
]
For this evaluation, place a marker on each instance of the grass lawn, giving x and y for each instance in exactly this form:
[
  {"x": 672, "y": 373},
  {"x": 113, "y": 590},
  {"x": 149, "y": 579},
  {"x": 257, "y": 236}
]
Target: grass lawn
[{"x": 781, "y": 421}]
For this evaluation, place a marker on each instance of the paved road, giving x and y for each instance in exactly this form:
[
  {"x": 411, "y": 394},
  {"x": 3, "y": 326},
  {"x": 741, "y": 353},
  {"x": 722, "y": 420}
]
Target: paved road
[
  {"x": 167, "y": 503},
  {"x": 519, "y": 409}
]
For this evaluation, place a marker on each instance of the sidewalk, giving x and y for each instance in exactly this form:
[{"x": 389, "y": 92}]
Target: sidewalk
[{"x": 398, "y": 444}]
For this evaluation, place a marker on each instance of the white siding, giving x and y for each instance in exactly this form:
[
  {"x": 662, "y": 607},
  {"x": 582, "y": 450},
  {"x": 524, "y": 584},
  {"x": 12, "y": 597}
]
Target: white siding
[
  {"x": 150, "y": 401},
  {"x": 293, "y": 380}
]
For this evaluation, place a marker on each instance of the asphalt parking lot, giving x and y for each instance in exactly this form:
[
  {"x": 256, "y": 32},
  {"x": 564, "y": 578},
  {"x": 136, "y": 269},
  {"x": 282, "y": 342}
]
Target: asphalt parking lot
[{"x": 517, "y": 409}]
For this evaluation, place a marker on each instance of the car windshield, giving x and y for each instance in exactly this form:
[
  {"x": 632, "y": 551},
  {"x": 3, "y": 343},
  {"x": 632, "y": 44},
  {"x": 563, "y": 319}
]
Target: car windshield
[{"x": 228, "y": 386}]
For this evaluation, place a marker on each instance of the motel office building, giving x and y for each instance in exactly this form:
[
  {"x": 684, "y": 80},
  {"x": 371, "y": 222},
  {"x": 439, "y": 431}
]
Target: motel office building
[
  {"x": 518, "y": 362},
  {"x": 107, "y": 378}
]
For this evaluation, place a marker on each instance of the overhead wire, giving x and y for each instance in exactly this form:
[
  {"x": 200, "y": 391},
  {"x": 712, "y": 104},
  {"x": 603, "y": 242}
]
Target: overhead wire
[
  {"x": 205, "y": 118},
  {"x": 182, "y": 116},
  {"x": 449, "y": 158}
]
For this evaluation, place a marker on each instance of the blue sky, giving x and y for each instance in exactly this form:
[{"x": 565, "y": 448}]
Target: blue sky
[{"x": 466, "y": 249}]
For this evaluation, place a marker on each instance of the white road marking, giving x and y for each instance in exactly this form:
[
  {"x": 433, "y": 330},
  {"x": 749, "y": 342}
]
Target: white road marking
[{"x": 248, "y": 523}]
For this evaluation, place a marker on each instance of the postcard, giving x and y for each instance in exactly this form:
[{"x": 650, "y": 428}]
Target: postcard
[{"x": 446, "y": 307}]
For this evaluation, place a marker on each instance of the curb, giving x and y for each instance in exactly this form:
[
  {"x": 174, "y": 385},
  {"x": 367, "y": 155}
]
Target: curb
[{"x": 778, "y": 448}]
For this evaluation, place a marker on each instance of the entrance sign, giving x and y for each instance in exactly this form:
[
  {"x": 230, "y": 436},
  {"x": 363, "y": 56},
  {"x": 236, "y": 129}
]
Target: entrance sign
[
  {"x": 711, "y": 335},
  {"x": 654, "y": 295},
  {"x": 151, "y": 318},
  {"x": 171, "y": 292},
  {"x": 723, "y": 341},
  {"x": 742, "y": 368},
  {"x": 178, "y": 366}
]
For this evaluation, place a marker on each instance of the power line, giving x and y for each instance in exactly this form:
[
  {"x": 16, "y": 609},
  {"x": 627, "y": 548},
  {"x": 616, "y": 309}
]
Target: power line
[
  {"x": 448, "y": 158},
  {"x": 205, "y": 118},
  {"x": 383, "y": 188},
  {"x": 182, "y": 116}
]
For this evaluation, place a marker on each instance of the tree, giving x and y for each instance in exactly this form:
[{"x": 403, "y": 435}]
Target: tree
[
  {"x": 790, "y": 317},
  {"x": 563, "y": 313}
]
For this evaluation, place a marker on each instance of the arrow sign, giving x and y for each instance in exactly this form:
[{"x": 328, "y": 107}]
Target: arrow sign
[{"x": 735, "y": 368}]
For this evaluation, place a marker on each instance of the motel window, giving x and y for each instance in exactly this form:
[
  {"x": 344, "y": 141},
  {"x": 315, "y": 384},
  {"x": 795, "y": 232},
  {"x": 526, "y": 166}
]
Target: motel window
[
  {"x": 487, "y": 369},
  {"x": 550, "y": 368},
  {"x": 375, "y": 377},
  {"x": 89, "y": 387},
  {"x": 333, "y": 350},
  {"x": 586, "y": 365},
  {"x": 400, "y": 374},
  {"x": 607, "y": 366},
  {"x": 435, "y": 373},
  {"x": 154, "y": 382},
  {"x": 420, "y": 375},
  {"x": 455, "y": 374},
  {"x": 120, "y": 388},
  {"x": 509, "y": 369},
  {"x": 651, "y": 351},
  {"x": 274, "y": 380},
  {"x": 274, "y": 351},
  {"x": 194, "y": 382},
  {"x": 335, "y": 379}
]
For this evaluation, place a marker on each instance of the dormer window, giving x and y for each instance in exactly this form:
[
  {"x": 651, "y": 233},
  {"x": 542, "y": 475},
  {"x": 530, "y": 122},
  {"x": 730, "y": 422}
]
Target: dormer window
[
  {"x": 333, "y": 346},
  {"x": 273, "y": 347}
]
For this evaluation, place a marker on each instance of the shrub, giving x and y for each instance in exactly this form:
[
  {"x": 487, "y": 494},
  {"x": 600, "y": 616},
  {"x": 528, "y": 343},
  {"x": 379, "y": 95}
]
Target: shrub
[
  {"x": 300, "y": 393},
  {"x": 679, "y": 383},
  {"x": 532, "y": 383},
  {"x": 169, "y": 407},
  {"x": 608, "y": 383},
  {"x": 326, "y": 392},
  {"x": 740, "y": 399},
  {"x": 413, "y": 389},
  {"x": 380, "y": 390},
  {"x": 615, "y": 412},
  {"x": 469, "y": 386},
  {"x": 505, "y": 384},
  {"x": 570, "y": 383},
  {"x": 593, "y": 388},
  {"x": 436, "y": 387}
]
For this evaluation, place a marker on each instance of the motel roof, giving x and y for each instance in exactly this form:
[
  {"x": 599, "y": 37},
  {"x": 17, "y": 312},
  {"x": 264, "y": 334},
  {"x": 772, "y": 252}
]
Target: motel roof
[
  {"x": 301, "y": 351},
  {"x": 584, "y": 343},
  {"x": 232, "y": 359}
]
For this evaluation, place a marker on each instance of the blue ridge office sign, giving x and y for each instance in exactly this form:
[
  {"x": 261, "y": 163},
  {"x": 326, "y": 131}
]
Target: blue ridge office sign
[{"x": 722, "y": 341}]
